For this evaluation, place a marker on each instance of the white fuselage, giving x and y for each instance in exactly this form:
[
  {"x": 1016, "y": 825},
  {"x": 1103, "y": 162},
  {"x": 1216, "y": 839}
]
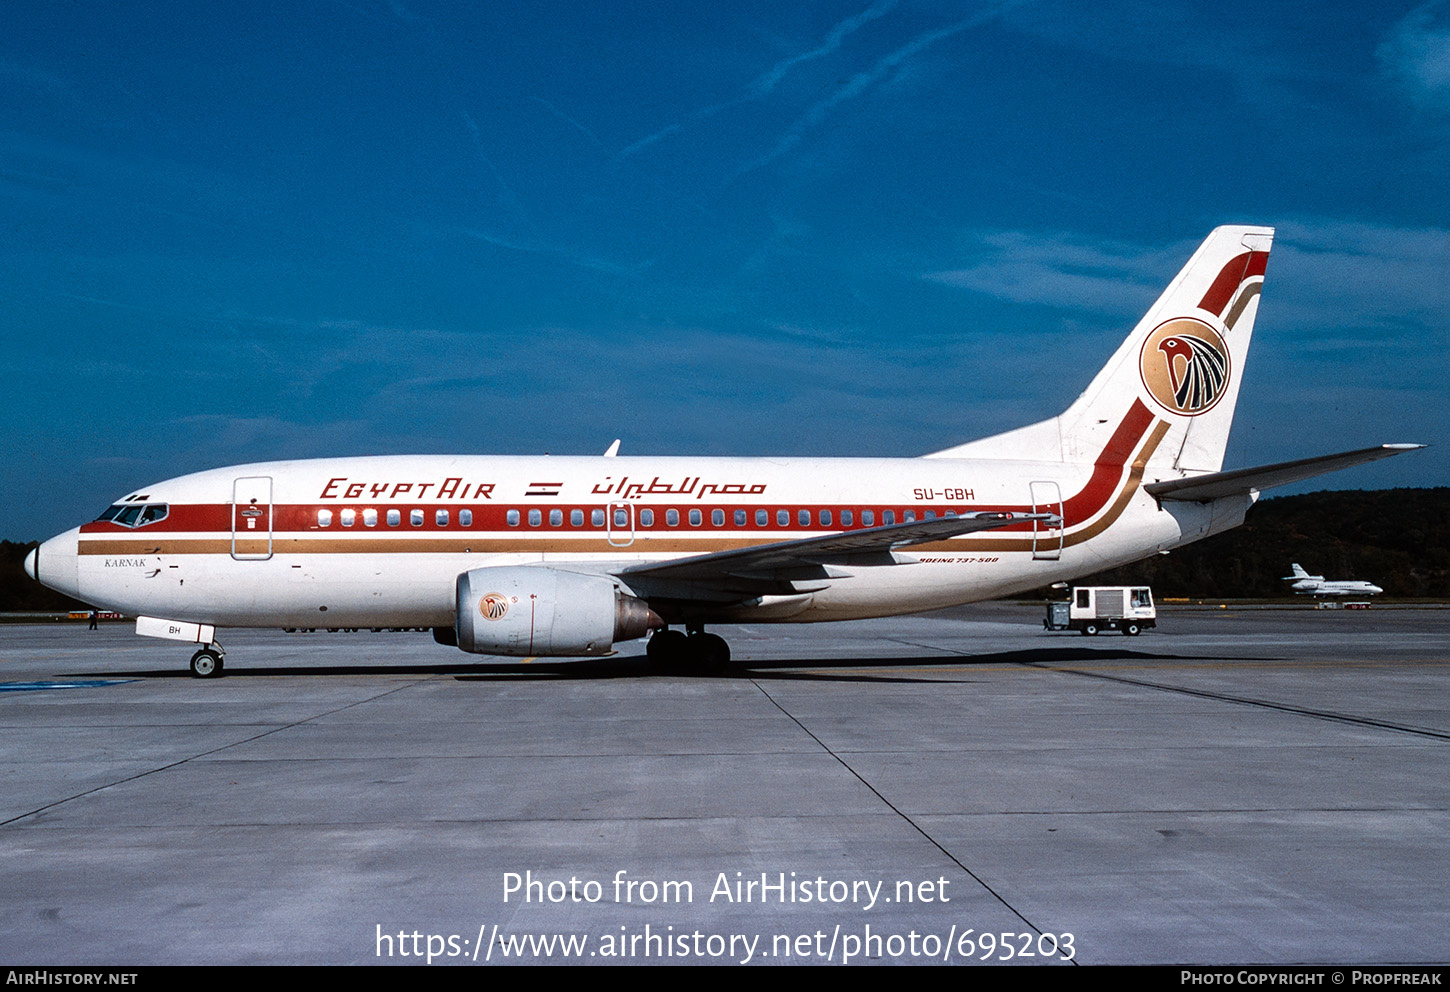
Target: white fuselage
[
  {"x": 380, "y": 541},
  {"x": 1346, "y": 587}
]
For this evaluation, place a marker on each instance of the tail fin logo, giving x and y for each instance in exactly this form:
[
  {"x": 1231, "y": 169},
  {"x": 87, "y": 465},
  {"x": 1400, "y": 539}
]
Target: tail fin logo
[{"x": 1185, "y": 366}]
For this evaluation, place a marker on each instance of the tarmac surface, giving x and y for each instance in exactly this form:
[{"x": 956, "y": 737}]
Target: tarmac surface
[{"x": 1237, "y": 786}]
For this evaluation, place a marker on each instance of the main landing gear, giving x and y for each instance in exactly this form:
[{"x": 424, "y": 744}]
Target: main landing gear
[
  {"x": 691, "y": 647},
  {"x": 207, "y": 663}
]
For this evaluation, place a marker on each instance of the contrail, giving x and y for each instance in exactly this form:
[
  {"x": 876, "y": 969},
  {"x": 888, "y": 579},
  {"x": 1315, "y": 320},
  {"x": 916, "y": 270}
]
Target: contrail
[{"x": 763, "y": 84}]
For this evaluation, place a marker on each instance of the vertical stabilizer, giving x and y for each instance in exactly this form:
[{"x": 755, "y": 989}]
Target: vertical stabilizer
[
  {"x": 1185, "y": 359},
  {"x": 1181, "y": 367}
]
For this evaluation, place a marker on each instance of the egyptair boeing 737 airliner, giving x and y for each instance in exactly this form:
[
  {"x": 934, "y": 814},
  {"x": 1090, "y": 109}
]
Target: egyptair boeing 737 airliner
[{"x": 565, "y": 556}]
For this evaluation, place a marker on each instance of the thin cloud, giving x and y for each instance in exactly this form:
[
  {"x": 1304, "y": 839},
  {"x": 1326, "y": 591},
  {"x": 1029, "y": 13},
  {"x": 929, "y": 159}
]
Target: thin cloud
[
  {"x": 1355, "y": 276},
  {"x": 1416, "y": 53},
  {"x": 1059, "y": 270},
  {"x": 1325, "y": 276},
  {"x": 564, "y": 254}
]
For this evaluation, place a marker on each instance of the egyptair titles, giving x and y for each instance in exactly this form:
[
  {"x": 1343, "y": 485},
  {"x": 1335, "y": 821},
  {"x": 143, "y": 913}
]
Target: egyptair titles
[
  {"x": 688, "y": 486},
  {"x": 343, "y": 487}
]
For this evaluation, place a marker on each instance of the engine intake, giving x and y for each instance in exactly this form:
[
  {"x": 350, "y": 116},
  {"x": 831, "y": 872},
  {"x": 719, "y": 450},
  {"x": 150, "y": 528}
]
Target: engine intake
[{"x": 532, "y": 611}]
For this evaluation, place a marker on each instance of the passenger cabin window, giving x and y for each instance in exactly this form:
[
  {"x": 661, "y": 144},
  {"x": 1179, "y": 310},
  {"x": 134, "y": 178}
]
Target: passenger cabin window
[
  {"x": 803, "y": 517},
  {"x": 513, "y": 518},
  {"x": 846, "y": 518},
  {"x": 556, "y": 518},
  {"x": 887, "y": 517},
  {"x": 465, "y": 518},
  {"x": 672, "y": 518},
  {"x": 739, "y": 518},
  {"x": 762, "y": 518},
  {"x": 695, "y": 518},
  {"x": 576, "y": 518},
  {"x": 535, "y": 518},
  {"x": 395, "y": 517},
  {"x": 415, "y": 518},
  {"x": 717, "y": 517},
  {"x": 596, "y": 518},
  {"x": 348, "y": 517},
  {"x": 440, "y": 518},
  {"x": 324, "y": 518},
  {"x": 370, "y": 518},
  {"x": 646, "y": 518}
]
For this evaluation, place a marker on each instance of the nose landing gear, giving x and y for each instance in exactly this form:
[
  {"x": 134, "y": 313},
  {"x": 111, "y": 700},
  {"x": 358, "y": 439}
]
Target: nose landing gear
[{"x": 207, "y": 663}]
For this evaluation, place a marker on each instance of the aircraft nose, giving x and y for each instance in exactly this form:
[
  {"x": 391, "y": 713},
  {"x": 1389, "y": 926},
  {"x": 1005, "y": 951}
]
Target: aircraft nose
[{"x": 55, "y": 564}]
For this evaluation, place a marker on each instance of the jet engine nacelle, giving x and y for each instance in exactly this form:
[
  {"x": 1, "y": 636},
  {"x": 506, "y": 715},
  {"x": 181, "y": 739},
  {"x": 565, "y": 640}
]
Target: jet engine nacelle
[{"x": 532, "y": 611}]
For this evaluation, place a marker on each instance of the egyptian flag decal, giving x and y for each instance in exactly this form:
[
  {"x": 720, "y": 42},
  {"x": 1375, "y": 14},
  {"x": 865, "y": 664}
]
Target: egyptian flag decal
[{"x": 1185, "y": 366}]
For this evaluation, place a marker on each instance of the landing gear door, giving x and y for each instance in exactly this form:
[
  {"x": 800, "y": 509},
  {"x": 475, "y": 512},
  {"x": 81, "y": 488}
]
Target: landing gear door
[
  {"x": 1046, "y": 540},
  {"x": 252, "y": 518}
]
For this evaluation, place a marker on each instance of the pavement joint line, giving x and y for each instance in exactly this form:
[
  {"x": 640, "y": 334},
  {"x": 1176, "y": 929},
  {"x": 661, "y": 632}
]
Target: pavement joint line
[
  {"x": 902, "y": 814},
  {"x": 1362, "y": 721},
  {"x": 202, "y": 754},
  {"x": 946, "y": 652}
]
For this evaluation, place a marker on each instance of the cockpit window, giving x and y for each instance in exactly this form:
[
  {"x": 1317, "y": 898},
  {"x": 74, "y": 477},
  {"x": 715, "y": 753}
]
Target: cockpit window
[
  {"x": 135, "y": 514},
  {"x": 152, "y": 513}
]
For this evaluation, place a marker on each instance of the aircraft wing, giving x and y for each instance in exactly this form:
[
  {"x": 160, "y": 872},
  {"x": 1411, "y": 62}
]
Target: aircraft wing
[
  {"x": 1240, "y": 482},
  {"x": 781, "y": 566}
]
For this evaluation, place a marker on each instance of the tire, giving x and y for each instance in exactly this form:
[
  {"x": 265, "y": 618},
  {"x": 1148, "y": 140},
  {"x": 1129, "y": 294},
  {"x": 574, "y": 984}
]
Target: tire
[
  {"x": 711, "y": 651},
  {"x": 1090, "y": 629},
  {"x": 667, "y": 647},
  {"x": 206, "y": 664},
  {"x": 1131, "y": 629}
]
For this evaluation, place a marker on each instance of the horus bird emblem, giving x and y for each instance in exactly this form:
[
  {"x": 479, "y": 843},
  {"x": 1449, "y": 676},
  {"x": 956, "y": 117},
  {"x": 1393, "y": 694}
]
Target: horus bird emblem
[{"x": 1200, "y": 377}]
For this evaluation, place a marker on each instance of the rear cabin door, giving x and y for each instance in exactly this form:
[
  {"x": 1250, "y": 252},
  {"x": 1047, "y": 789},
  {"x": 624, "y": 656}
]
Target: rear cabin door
[
  {"x": 252, "y": 518},
  {"x": 1046, "y": 540}
]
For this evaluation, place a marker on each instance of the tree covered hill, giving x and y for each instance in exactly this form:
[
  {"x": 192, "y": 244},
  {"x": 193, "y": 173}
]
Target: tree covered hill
[{"x": 1398, "y": 539}]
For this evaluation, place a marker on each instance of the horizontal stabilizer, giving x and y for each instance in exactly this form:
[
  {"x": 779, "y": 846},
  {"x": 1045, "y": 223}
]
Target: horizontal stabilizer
[{"x": 1240, "y": 482}]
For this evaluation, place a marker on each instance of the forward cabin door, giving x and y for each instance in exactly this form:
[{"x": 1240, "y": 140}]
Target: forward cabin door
[
  {"x": 1046, "y": 541},
  {"x": 252, "y": 518}
]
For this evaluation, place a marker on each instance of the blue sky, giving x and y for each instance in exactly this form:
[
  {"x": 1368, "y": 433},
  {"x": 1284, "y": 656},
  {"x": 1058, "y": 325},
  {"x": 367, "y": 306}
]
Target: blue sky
[{"x": 237, "y": 231}]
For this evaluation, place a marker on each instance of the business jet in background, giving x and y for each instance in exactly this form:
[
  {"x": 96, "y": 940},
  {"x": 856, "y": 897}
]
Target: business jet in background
[
  {"x": 1315, "y": 585},
  {"x": 566, "y": 556}
]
